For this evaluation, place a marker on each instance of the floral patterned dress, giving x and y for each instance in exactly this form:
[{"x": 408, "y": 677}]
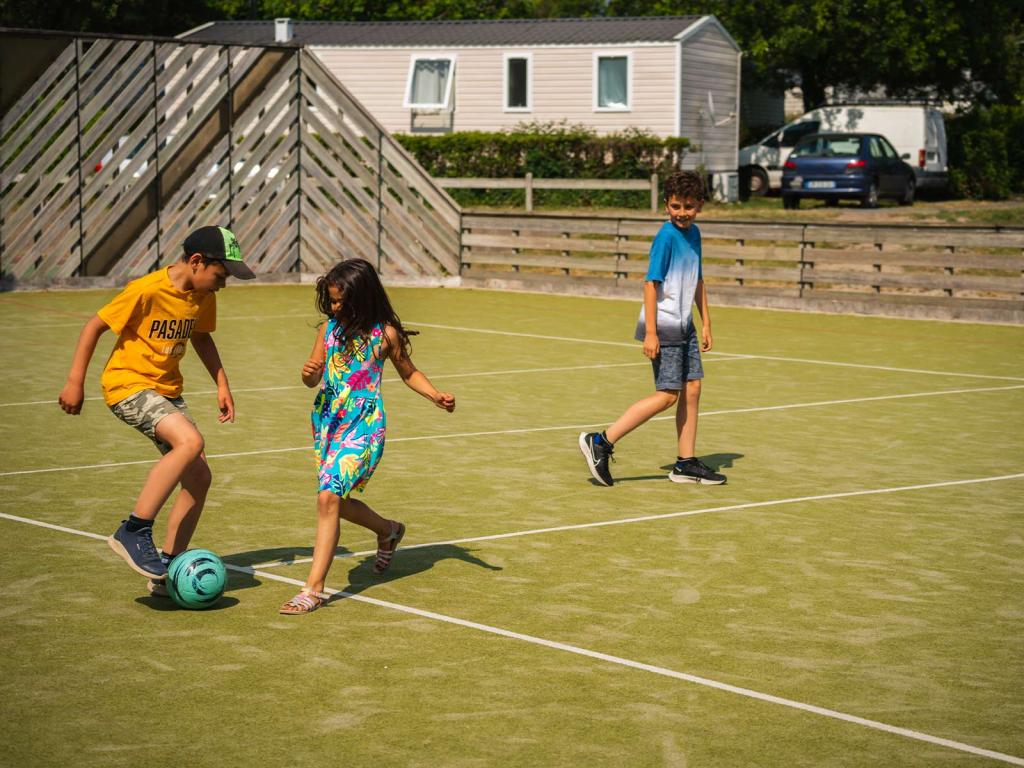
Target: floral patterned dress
[{"x": 348, "y": 413}]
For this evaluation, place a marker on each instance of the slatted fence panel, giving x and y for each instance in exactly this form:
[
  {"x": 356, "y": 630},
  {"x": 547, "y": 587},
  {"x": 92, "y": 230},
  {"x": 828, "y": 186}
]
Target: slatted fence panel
[
  {"x": 936, "y": 265},
  {"x": 303, "y": 173},
  {"x": 799, "y": 264},
  {"x": 39, "y": 180},
  {"x": 362, "y": 193}
]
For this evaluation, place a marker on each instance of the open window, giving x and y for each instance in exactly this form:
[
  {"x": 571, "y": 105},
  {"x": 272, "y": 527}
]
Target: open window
[
  {"x": 430, "y": 82},
  {"x": 518, "y": 82},
  {"x": 613, "y": 73}
]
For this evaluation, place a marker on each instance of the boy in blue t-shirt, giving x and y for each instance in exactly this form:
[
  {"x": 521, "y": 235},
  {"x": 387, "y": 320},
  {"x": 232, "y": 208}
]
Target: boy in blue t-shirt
[{"x": 674, "y": 281}]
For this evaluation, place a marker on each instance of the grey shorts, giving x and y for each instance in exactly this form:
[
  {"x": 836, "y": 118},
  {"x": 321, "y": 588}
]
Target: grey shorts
[
  {"x": 145, "y": 409},
  {"x": 674, "y": 366}
]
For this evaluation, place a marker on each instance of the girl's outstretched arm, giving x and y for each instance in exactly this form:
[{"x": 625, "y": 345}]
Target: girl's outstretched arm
[
  {"x": 414, "y": 378},
  {"x": 313, "y": 368}
]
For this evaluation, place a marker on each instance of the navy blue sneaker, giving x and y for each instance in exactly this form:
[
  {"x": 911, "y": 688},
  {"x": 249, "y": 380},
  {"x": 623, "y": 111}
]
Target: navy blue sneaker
[
  {"x": 138, "y": 551},
  {"x": 597, "y": 455}
]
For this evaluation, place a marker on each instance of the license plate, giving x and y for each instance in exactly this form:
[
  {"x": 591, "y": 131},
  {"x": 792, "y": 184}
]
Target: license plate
[{"x": 821, "y": 184}]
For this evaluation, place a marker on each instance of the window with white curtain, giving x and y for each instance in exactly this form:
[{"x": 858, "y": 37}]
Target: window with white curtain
[
  {"x": 611, "y": 81},
  {"x": 430, "y": 82}
]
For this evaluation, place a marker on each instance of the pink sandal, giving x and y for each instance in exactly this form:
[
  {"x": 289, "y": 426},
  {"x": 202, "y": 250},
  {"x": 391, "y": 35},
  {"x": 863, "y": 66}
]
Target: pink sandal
[
  {"x": 306, "y": 601},
  {"x": 386, "y": 549}
]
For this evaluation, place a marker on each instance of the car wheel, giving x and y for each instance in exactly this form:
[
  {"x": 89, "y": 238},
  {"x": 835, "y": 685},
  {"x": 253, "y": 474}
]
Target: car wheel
[
  {"x": 909, "y": 190},
  {"x": 757, "y": 182},
  {"x": 831, "y": 202},
  {"x": 870, "y": 200},
  {"x": 790, "y": 202}
]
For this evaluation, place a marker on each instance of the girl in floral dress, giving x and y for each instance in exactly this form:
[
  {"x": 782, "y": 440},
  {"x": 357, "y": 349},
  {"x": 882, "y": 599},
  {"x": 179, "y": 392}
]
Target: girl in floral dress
[{"x": 348, "y": 412}]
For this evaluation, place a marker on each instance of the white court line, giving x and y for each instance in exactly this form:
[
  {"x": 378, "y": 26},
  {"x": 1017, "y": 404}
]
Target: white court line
[
  {"x": 706, "y": 682},
  {"x": 736, "y": 354},
  {"x": 394, "y": 380},
  {"x": 52, "y": 401},
  {"x": 665, "y": 516},
  {"x": 880, "y": 367},
  {"x": 528, "y": 430},
  {"x": 633, "y": 344}
]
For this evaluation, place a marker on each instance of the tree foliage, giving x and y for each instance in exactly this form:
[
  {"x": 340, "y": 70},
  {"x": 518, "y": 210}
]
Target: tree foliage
[
  {"x": 952, "y": 49},
  {"x": 955, "y": 49}
]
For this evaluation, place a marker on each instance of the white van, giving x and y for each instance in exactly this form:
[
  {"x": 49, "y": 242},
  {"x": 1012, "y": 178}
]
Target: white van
[{"x": 917, "y": 133}]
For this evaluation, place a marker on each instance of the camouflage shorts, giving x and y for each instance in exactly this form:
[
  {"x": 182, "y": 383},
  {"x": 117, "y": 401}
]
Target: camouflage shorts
[{"x": 145, "y": 409}]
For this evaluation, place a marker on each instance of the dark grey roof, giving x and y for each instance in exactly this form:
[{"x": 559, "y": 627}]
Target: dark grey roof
[{"x": 592, "y": 31}]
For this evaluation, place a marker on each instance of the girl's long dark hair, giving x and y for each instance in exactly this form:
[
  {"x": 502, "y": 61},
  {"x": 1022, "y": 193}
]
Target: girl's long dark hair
[{"x": 364, "y": 302}]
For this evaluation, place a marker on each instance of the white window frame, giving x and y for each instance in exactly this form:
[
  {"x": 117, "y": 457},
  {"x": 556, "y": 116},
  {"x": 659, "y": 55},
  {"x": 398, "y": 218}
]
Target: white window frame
[
  {"x": 628, "y": 56},
  {"x": 529, "y": 82},
  {"x": 407, "y": 102}
]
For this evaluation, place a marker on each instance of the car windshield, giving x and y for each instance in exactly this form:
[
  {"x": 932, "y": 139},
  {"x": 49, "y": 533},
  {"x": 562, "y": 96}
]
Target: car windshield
[{"x": 829, "y": 146}]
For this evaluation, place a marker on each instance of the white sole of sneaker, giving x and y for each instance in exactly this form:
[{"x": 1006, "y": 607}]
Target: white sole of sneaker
[
  {"x": 120, "y": 550},
  {"x": 158, "y": 588},
  {"x": 590, "y": 459},
  {"x": 695, "y": 480}
]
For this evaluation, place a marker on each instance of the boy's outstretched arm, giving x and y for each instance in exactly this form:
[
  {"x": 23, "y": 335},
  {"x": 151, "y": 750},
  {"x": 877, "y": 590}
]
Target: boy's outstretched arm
[
  {"x": 73, "y": 394},
  {"x": 414, "y": 378},
  {"x": 207, "y": 351},
  {"x": 701, "y": 296}
]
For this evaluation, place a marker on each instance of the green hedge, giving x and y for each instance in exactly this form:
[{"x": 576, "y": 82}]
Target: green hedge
[
  {"x": 552, "y": 151},
  {"x": 986, "y": 153}
]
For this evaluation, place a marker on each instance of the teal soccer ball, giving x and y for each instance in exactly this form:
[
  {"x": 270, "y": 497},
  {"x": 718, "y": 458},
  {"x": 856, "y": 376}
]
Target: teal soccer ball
[{"x": 196, "y": 579}]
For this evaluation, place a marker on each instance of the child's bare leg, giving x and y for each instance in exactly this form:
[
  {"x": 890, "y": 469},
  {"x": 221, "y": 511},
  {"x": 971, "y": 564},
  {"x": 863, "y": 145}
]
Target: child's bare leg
[
  {"x": 359, "y": 513},
  {"x": 186, "y": 446},
  {"x": 686, "y": 419},
  {"x": 188, "y": 506},
  {"x": 640, "y": 412},
  {"x": 328, "y": 528}
]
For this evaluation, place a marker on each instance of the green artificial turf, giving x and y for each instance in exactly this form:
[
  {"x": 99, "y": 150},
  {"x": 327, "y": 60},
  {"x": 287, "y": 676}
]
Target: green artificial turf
[{"x": 818, "y": 574}]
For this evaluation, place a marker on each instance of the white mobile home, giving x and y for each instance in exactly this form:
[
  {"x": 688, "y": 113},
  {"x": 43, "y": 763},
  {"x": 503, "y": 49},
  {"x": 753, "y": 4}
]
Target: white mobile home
[{"x": 672, "y": 76}]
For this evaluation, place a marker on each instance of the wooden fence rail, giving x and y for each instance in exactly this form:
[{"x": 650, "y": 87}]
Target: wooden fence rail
[
  {"x": 942, "y": 272},
  {"x": 529, "y": 183}
]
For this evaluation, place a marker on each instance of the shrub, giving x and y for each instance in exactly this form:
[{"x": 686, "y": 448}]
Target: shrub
[
  {"x": 552, "y": 151},
  {"x": 986, "y": 154}
]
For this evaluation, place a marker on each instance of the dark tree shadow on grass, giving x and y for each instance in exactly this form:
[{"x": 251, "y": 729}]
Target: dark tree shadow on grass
[
  {"x": 717, "y": 461},
  {"x": 165, "y": 604},
  {"x": 283, "y": 555},
  {"x": 409, "y": 561}
]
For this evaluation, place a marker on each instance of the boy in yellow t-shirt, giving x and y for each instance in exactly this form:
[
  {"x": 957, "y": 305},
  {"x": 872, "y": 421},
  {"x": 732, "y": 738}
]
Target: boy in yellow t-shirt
[{"x": 153, "y": 318}]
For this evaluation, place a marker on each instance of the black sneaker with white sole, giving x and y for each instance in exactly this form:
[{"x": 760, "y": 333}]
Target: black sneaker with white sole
[
  {"x": 695, "y": 471},
  {"x": 597, "y": 454}
]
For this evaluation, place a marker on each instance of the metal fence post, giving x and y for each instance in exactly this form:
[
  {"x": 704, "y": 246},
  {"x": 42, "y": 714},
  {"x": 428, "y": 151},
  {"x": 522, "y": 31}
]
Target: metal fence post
[
  {"x": 156, "y": 159},
  {"x": 78, "y": 144},
  {"x": 298, "y": 163},
  {"x": 380, "y": 198}
]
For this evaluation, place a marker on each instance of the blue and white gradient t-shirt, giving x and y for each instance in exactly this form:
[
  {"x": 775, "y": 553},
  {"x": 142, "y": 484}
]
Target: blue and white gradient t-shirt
[{"x": 675, "y": 267}]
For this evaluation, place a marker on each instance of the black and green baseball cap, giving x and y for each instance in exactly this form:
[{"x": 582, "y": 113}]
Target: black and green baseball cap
[{"x": 219, "y": 244}]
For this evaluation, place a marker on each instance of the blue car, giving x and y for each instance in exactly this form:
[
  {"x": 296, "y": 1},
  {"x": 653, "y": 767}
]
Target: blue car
[{"x": 836, "y": 166}]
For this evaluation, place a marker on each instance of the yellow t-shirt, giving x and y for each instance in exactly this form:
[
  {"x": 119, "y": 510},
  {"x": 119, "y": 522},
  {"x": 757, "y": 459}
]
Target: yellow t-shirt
[{"x": 153, "y": 321}]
